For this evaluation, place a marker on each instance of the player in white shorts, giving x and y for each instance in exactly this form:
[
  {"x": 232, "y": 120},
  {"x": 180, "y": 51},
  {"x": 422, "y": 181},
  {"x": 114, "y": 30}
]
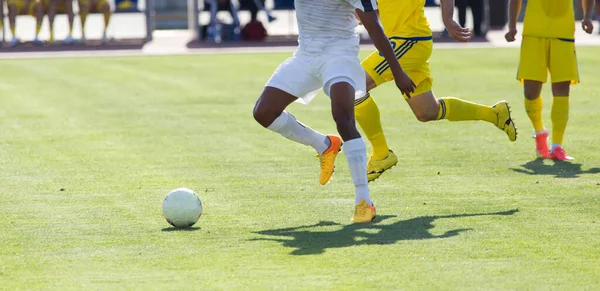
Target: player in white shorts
[{"x": 327, "y": 57}]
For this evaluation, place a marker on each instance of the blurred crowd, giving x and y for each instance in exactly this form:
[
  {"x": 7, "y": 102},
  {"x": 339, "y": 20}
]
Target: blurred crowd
[{"x": 40, "y": 8}]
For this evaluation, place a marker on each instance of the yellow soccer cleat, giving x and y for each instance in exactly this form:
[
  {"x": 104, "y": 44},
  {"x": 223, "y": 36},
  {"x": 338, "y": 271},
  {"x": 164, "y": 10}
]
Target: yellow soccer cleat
[
  {"x": 505, "y": 121},
  {"x": 328, "y": 159},
  {"x": 376, "y": 167},
  {"x": 363, "y": 212}
]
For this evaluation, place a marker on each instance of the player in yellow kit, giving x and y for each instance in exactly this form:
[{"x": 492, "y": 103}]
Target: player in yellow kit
[
  {"x": 34, "y": 8},
  {"x": 408, "y": 30},
  {"x": 54, "y": 7},
  {"x": 548, "y": 45},
  {"x": 94, "y": 6}
]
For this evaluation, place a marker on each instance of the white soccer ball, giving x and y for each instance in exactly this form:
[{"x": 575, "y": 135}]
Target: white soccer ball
[{"x": 182, "y": 207}]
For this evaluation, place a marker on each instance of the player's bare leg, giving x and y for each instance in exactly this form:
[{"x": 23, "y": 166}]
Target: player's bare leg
[
  {"x": 560, "y": 117},
  {"x": 269, "y": 112},
  {"x": 84, "y": 11},
  {"x": 533, "y": 107},
  {"x": 342, "y": 109},
  {"x": 13, "y": 10},
  {"x": 105, "y": 8},
  {"x": 51, "y": 15},
  {"x": 367, "y": 114},
  {"x": 71, "y": 18},
  {"x": 38, "y": 9}
]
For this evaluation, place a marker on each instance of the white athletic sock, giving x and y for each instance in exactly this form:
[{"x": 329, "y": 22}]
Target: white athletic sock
[
  {"x": 554, "y": 146},
  {"x": 287, "y": 125},
  {"x": 356, "y": 155}
]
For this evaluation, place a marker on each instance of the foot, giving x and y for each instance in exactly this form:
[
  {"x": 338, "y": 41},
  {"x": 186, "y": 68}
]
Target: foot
[
  {"x": 363, "y": 212},
  {"x": 37, "y": 42},
  {"x": 83, "y": 39},
  {"x": 104, "y": 39},
  {"x": 328, "y": 159},
  {"x": 505, "y": 121},
  {"x": 14, "y": 42},
  {"x": 541, "y": 144},
  {"x": 376, "y": 167},
  {"x": 69, "y": 40},
  {"x": 271, "y": 18},
  {"x": 559, "y": 154}
]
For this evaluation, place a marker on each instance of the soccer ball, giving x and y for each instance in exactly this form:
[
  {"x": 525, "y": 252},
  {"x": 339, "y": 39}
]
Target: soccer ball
[{"x": 182, "y": 207}]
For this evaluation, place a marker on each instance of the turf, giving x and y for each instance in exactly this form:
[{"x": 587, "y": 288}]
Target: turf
[{"x": 89, "y": 148}]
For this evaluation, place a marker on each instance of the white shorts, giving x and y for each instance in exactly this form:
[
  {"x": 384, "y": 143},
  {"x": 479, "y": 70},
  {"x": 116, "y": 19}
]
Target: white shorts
[{"x": 303, "y": 76}]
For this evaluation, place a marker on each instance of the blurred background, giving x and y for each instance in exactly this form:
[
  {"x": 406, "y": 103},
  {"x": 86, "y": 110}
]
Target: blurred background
[{"x": 27, "y": 23}]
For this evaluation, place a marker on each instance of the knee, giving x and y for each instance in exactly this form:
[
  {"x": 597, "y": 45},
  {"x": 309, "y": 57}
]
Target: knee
[
  {"x": 429, "y": 114},
  {"x": 532, "y": 89},
  {"x": 531, "y": 93},
  {"x": 426, "y": 116},
  {"x": 264, "y": 115},
  {"x": 561, "y": 89}
]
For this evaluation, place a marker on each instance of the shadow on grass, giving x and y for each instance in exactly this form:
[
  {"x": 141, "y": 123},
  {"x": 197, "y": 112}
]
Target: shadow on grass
[
  {"x": 307, "y": 242},
  {"x": 558, "y": 169},
  {"x": 169, "y": 229}
]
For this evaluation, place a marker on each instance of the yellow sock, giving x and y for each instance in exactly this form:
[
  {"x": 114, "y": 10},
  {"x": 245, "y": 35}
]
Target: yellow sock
[
  {"x": 367, "y": 115},
  {"x": 13, "y": 30},
  {"x": 38, "y": 28},
  {"x": 106, "y": 21},
  {"x": 455, "y": 109},
  {"x": 534, "y": 111},
  {"x": 83, "y": 16},
  {"x": 560, "y": 116}
]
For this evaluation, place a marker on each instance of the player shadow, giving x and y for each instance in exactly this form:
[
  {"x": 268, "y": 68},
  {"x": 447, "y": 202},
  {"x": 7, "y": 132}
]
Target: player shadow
[
  {"x": 559, "y": 169},
  {"x": 307, "y": 242},
  {"x": 170, "y": 229}
]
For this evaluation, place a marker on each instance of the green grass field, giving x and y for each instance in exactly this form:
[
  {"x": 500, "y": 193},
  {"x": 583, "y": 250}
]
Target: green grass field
[{"x": 89, "y": 148}]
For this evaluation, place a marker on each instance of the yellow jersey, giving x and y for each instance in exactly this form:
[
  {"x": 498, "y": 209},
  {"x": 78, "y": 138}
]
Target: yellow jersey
[
  {"x": 404, "y": 18},
  {"x": 549, "y": 18}
]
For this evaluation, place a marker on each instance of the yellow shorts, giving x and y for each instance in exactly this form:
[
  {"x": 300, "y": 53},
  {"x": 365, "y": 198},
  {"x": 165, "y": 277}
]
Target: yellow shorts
[
  {"x": 541, "y": 55},
  {"x": 24, "y": 7},
  {"x": 93, "y": 8},
  {"x": 413, "y": 55},
  {"x": 61, "y": 7}
]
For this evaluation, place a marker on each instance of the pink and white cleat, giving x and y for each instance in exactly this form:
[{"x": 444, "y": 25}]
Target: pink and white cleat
[
  {"x": 541, "y": 144},
  {"x": 559, "y": 154}
]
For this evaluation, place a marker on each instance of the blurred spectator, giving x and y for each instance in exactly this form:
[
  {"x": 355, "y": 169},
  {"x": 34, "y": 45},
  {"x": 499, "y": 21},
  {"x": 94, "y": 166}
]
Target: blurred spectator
[
  {"x": 476, "y": 9},
  {"x": 34, "y": 8},
  {"x": 53, "y": 7},
  {"x": 94, "y": 6},
  {"x": 215, "y": 28},
  {"x": 254, "y": 6}
]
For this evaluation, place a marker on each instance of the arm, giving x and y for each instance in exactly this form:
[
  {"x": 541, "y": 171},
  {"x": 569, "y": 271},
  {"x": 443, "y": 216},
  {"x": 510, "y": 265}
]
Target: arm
[
  {"x": 370, "y": 21},
  {"x": 447, "y": 11},
  {"x": 454, "y": 29},
  {"x": 514, "y": 7},
  {"x": 587, "y": 23}
]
